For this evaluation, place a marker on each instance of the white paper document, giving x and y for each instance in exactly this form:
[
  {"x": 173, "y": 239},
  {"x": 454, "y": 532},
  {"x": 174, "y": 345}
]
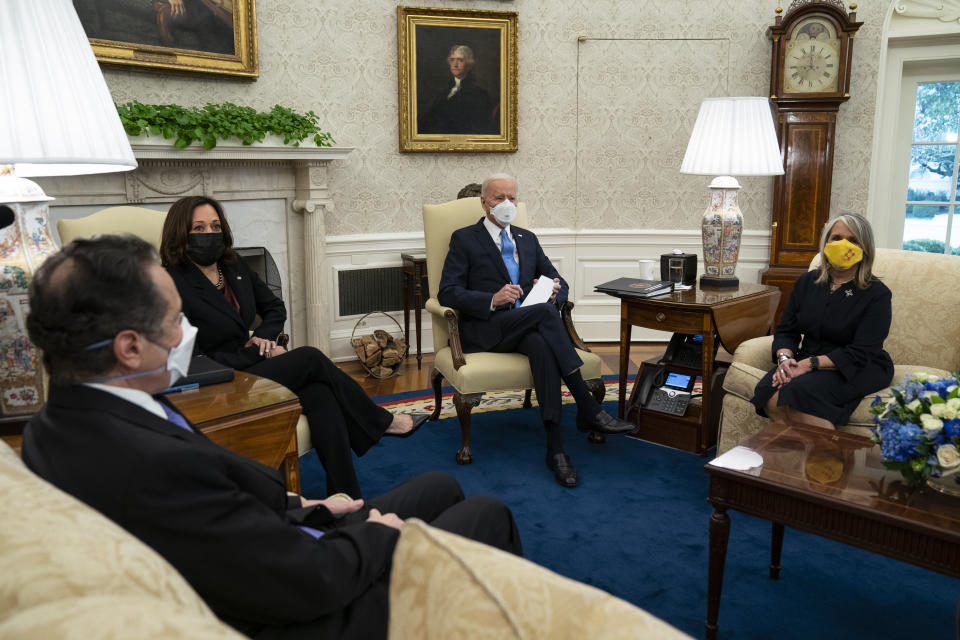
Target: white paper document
[
  {"x": 739, "y": 459},
  {"x": 541, "y": 292}
]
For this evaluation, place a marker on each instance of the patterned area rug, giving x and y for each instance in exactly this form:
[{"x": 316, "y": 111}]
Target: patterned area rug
[{"x": 422, "y": 401}]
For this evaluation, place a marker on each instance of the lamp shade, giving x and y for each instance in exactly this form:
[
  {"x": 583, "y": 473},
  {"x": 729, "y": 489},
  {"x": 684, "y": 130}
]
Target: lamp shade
[
  {"x": 733, "y": 137},
  {"x": 57, "y": 117}
]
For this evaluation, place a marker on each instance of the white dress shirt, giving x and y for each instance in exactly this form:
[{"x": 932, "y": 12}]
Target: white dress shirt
[
  {"x": 494, "y": 232},
  {"x": 135, "y": 396}
]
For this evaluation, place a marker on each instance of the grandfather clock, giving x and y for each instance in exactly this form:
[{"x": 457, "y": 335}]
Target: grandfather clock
[{"x": 809, "y": 80}]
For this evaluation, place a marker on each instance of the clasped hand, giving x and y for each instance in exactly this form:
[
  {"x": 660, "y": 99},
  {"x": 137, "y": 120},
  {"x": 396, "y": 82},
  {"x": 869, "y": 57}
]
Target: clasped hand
[
  {"x": 268, "y": 348},
  {"x": 787, "y": 371},
  {"x": 339, "y": 508}
]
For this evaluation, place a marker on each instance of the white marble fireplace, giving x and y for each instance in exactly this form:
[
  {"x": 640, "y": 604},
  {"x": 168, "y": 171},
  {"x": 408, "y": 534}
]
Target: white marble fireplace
[{"x": 274, "y": 196}]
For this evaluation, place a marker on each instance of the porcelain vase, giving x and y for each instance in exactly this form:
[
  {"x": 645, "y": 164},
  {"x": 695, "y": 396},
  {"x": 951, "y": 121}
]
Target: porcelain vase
[{"x": 721, "y": 227}]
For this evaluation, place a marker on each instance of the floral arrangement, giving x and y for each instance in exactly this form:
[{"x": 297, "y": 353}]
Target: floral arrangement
[{"x": 919, "y": 429}]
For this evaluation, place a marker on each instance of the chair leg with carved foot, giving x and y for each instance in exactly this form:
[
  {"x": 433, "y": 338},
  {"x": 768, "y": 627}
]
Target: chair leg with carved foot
[
  {"x": 465, "y": 404},
  {"x": 596, "y": 387},
  {"x": 437, "y": 379}
]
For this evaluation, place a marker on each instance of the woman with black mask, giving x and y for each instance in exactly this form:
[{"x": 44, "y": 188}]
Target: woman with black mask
[{"x": 221, "y": 297}]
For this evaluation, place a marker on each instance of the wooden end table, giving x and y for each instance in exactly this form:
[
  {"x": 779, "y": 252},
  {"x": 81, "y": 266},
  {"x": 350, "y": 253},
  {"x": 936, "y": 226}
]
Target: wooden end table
[
  {"x": 734, "y": 315},
  {"x": 249, "y": 415},
  {"x": 834, "y": 485},
  {"x": 415, "y": 269}
]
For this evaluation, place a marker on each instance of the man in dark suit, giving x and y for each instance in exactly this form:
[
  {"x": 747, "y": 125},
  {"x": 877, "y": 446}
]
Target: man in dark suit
[
  {"x": 490, "y": 267},
  {"x": 108, "y": 320},
  {"x": 463, "y": 106}
]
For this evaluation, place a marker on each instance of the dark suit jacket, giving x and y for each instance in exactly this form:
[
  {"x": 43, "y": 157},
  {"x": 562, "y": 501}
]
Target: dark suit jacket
[
  {"x": 221, "y": 330},
  {"x": 474, "y": 271},
  {"x": 469, "y": 110},
  {"x": 222, "y": 520}
]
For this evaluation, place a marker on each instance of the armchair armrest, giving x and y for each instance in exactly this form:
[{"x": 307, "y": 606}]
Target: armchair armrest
[
  {"x": 566, "y": 312},
  {"x": 755, "y": 352},
  {"x": 453, "y": 327}
]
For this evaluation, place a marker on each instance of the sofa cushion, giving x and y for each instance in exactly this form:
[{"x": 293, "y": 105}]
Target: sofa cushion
[
  {"x": 53, "y": 548},
  {"x": 114, "y": 617},
  {"x": 444, "y": 585},
  {"x": 489, "y": 371}
]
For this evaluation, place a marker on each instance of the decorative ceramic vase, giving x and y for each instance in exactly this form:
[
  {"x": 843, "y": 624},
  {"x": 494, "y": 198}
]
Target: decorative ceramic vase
[
  {"x": 722, "y": 227},
  {"x": 25, "y": 242}
]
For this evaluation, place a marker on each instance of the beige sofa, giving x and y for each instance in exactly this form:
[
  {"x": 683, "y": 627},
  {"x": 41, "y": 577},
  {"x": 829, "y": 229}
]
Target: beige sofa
[
  {"x": 66, "y": 571},
  {"x": 924, "y": 336}
]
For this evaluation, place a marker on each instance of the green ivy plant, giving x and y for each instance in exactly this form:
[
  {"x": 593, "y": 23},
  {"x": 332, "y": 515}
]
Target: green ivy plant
[{"x": 214, "y": 122}]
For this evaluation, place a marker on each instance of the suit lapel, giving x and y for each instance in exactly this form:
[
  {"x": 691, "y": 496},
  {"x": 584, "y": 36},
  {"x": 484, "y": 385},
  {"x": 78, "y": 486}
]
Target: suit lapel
[
  {"x": 490, "y": 246},
  {"x": 525, "y": 253},
  {"x": 214, "y": 299}
]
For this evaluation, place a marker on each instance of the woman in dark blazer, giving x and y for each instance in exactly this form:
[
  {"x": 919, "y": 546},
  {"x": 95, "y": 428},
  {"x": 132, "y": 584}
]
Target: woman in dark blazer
[
  {"x": 222, "y": 297},
  {"x": 829, "y": 344}
]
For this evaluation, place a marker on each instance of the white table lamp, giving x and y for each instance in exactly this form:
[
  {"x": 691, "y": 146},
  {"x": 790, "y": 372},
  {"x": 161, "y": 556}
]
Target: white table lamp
[
  {"x": 56, "y": 119},
  {"x": 732, "y": 137}
]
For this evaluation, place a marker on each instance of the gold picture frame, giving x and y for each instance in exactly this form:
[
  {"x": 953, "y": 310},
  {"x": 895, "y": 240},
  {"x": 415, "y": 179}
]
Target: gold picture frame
[
  {"x": 216, "y": 37},
  {"x": 457, "y": 80}
]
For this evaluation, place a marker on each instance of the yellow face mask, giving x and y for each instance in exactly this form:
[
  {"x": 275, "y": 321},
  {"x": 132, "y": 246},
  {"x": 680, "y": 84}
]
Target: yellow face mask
[{"x": 843, "y": 254}]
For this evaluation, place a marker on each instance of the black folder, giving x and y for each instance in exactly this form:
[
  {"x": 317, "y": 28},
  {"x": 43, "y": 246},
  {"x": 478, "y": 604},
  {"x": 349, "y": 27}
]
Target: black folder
[
  {"x": 635, "y": 287},
  {"x": 204, "y": 371}
]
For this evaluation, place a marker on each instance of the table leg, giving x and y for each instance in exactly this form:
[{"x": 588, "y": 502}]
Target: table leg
[
  {"x": 418, "y": 300},
  {"x": 776, "y": 547},
  {"x": 406, "y": 307},
  {"x": 707, "y": 377},
  {"x": 719, "y": 535},
  {"x": 625, "y": 330}
]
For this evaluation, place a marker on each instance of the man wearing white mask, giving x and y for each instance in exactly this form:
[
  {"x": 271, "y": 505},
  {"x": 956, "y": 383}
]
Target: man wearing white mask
[
  {"x": 490, "y": 267},
  {"x": 107, "y": 317}
]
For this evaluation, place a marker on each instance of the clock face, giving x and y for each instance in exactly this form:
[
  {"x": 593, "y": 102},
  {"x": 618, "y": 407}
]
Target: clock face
[{"x": 812, "y": 61}]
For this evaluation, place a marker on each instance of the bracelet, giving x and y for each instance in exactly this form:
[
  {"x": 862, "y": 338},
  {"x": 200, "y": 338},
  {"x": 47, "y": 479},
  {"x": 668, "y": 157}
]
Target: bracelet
[
  {"x": 781, "y": 357},
  {"x": 814, "y": 363}
]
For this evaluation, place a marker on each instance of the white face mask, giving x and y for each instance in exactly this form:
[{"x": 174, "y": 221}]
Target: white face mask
[
  {"x": 178, "y": 357},
  {"x": 504, "y": 213}
]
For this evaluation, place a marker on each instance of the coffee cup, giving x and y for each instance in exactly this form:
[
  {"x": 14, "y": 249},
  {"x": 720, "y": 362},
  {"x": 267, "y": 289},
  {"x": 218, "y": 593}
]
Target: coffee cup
[{"x": 649, "y": 270}]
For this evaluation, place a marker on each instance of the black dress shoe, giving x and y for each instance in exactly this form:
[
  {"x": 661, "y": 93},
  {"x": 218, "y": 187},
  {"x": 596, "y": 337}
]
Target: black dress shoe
[
  {"x": 418, "y": 421},
  {"x": 605, "y": 423},
  {"x": 563, "y": 469}
]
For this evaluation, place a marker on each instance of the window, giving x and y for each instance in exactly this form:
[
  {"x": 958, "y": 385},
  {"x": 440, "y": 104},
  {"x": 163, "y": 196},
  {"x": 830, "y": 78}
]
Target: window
[{"x": 932, "y": 205}]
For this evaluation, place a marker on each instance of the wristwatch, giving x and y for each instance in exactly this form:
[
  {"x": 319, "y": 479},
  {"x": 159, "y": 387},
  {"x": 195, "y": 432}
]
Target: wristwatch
[
  {"x": 782, "y": 357},
  {"x": 814, "y": 363}
]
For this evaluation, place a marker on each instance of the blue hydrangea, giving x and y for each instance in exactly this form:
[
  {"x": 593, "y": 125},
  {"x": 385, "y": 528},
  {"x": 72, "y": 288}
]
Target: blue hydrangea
[
  {"x": 940, "y": 386},
  {"x": 951, "y": 428},
  {"x": 899, "y": 441}
]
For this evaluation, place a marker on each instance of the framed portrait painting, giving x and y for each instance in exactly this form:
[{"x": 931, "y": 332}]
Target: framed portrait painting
[
  {"x": 457, "y": 80},
  {"x": 198, "y": 36}
]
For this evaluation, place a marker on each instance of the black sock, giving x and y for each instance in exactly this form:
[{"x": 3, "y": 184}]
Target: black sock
[
  {"x": 554, "y": 438},
  {"x": 586, "y": 404}
]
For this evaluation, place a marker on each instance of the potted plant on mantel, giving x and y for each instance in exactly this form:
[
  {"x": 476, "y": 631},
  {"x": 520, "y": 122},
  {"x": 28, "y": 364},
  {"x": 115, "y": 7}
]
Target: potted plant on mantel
[{"x": 213, "y": 123}]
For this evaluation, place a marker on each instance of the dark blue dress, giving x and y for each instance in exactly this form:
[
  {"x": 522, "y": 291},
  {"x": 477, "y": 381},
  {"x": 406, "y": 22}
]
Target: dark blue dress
[{"x": 849, "y": 327}]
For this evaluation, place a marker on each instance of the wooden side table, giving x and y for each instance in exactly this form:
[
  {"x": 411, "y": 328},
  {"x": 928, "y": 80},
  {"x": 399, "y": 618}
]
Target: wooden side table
[
  {"x": 414, "y": 268},
  {"x": 734, "y": 315}
]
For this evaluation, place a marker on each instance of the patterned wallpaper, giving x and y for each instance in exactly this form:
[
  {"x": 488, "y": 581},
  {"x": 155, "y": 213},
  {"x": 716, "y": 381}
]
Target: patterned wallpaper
[{"x": 609, "y": 91}]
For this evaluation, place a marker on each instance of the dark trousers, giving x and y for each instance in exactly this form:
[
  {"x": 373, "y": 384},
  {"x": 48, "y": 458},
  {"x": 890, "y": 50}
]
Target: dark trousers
[
  {"x": 437, "y": 499},
  {"x": 537, "y": 332},
  {"x": 341, "y": 415}
]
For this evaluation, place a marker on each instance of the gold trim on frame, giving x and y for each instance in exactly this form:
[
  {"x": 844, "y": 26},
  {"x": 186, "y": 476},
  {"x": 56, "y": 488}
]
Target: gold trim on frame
[
  {"x": 243, "y": 63},
  {"x": 411, "y": 140}
]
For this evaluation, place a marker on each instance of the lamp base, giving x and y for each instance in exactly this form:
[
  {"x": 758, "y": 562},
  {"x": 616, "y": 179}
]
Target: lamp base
[{"x": 717, "y": 282}]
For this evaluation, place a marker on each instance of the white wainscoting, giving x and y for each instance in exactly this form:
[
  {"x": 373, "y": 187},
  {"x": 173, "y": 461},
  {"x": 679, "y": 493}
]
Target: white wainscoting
[{"x": 584, "y": 258}]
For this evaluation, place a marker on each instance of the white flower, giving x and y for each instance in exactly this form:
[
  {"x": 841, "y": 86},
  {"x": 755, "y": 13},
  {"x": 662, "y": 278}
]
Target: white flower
[
  {"x": 954, "y": 403},
  {"x": 951, "y": 388},
  {"x": 930, "y": 394},
  {"x": 947, "y": 456},
  {"x": 922, "y": 376},
  {"x": 930, "y": 424},
  {"x": 914, "y": 406},
  {"x": 938, "y": 410}
]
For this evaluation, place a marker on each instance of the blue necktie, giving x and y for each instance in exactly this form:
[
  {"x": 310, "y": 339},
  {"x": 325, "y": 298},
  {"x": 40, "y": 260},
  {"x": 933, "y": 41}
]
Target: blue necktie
[
  {"x": 176, "y": 418},
  {"x": 506, "y": 252}
]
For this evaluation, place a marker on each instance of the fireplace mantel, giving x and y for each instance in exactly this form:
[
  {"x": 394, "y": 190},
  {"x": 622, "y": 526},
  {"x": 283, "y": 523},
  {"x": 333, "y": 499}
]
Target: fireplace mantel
[{"x": 230, "y": 172}]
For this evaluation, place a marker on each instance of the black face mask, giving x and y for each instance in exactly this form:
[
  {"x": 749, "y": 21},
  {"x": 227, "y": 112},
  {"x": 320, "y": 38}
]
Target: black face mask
[{"x": 204, "y": 248}]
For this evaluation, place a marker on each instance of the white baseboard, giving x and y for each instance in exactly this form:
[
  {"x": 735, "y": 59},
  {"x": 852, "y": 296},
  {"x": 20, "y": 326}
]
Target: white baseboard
[{"x": 584, "y": 258}]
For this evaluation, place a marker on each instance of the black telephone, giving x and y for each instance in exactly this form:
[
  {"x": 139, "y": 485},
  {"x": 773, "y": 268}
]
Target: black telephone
[
  {"x": 687, "y": 350},
  {"x": 665, "y": 392}
]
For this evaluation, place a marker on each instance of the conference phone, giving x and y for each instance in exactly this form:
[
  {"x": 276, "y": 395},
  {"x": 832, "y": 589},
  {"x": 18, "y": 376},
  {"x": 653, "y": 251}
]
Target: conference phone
[{"x": 665, "y": 391}]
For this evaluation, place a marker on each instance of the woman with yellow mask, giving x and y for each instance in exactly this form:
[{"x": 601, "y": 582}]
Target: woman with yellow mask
[{"x": 828, "y": 347}]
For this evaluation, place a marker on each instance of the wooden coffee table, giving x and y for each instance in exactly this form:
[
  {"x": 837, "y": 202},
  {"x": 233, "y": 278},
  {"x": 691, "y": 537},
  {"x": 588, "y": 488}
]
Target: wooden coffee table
[{"x": 834, "y": 485}]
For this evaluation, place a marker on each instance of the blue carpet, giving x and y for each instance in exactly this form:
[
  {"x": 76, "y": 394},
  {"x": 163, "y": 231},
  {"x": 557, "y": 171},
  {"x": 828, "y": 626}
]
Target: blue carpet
[{"x": 637, "y": 527}]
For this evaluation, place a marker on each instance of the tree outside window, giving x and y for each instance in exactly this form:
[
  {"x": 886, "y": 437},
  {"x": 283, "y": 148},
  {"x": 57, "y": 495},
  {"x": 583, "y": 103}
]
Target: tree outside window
[{"x": 932, "y": 203}]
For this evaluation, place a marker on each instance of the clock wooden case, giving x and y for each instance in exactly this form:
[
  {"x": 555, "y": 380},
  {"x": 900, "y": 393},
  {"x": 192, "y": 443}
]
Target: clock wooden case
[{"x": 809, "y": 80}]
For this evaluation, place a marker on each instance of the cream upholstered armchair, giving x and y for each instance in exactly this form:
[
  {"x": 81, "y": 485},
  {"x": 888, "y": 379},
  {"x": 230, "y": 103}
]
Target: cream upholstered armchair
[
  {"x": 924, "y": 336},
  {"x": 147, "y": 224},
  {"x": 472, "y": 374}
]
